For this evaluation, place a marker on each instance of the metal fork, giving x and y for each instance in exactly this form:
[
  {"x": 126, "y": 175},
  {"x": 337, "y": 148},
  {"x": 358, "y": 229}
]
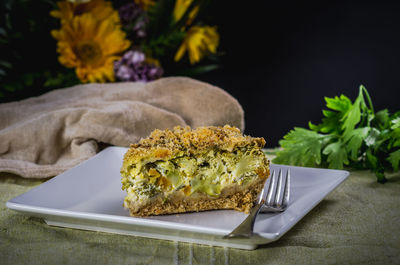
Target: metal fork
[{"x": 278, "y": 204}]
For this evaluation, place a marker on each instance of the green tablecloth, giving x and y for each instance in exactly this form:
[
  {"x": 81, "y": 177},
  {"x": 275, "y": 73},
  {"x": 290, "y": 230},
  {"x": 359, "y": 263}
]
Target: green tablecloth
[{"x": 358, "y": 223}]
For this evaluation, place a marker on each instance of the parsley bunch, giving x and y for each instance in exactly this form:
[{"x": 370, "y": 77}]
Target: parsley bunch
[{"x": 350, "y": 134}]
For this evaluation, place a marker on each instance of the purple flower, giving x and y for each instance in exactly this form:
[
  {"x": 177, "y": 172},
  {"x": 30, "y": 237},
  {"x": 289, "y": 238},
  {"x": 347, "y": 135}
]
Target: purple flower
[
  {"x": 129, "y": 12},
  {"x": 134, "y": 20},
  {"x": 134, "y": 67}
]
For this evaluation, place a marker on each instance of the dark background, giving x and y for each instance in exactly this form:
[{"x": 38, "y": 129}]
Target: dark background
[{"x": 281, "y": 58}]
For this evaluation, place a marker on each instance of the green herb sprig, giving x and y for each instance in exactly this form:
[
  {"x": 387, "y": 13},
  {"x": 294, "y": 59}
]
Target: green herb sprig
[{"x": 350, "y": 134}]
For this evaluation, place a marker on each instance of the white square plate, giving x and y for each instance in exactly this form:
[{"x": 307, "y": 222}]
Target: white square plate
[{"x": 89, "y": 197}]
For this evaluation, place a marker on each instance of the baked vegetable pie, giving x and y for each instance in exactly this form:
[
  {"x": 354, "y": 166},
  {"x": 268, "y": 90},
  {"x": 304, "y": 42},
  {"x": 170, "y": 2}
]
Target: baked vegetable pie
[{"x": 184, "y": 170}]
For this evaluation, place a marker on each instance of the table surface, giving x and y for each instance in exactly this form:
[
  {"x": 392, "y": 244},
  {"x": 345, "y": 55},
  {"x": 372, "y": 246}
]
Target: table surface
[{"x": 358, "y": 223}]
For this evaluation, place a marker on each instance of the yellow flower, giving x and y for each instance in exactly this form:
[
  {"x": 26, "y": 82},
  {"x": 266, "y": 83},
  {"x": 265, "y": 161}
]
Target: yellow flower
[
  {"x": 145, "y": 4},
  {"x": 90, "y": 46},
  {"x": 180, "y": 8},
  {"x": 99, "y": 8},
  {"x": 198, "y": 42}
]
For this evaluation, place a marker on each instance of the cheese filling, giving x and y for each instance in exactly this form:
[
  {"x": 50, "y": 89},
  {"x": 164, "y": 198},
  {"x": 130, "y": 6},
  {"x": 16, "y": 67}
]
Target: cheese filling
[{"x": 207, "y": 173}]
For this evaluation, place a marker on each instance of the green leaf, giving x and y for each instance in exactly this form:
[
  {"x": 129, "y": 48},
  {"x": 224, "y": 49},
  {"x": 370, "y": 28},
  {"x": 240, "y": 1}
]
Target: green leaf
[
  {"x": 5, "y": 64},
  {"x": 161, "y": 45},
  {"x": 332, "y": 119},
  {"x": 372, "y": 160},
  {"x": 395, "y": 123},
  {"x": 345, "y": 115},
  {"x": 160, "y": 18},
  {"x": 191, "y": 71},
  {"x": 301, "y": 147},
  {"x": 394, "y": 159},
  {"x": 337, "y": 155},
  {"x": 394, "y": 138},
  {"x": 9, "y": 88},
  {"x": 329, "y": 123},
  {"x": 352, "y": 116},
  {"x": 382, "y": 118},
  {"x": 372, "y": 138},
  {"x": 66, "y": 78},
  {"x": 342, "y": 104},
  {"x": 355, "y": 140},
  {"x": 314, "y": 127},
  {"x": 348, "y": 132}
]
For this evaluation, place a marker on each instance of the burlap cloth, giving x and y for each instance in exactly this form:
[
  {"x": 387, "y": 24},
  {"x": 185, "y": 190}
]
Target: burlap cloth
[{"x": 44, "y": 136}]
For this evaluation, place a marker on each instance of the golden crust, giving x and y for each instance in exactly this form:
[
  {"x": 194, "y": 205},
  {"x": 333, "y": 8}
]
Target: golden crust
[{"x": 164, "y": 144}]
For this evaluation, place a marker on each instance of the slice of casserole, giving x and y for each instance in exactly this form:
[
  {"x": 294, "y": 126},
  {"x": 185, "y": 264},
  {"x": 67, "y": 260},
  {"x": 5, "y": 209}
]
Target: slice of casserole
[{"x": 186, "y": 170}]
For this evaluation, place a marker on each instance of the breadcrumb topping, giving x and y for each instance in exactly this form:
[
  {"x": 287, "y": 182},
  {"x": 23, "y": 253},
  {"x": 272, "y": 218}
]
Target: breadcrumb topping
[{"x": 163, "y": 144}]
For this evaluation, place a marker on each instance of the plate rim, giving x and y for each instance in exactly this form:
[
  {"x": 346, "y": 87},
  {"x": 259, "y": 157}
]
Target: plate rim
[{"x": 43, "y": 212}]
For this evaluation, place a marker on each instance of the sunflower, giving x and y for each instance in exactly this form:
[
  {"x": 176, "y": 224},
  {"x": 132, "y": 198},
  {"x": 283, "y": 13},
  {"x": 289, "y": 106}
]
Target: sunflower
[
  {"x": 90, "y": 46},
  {"x": 198, "y": 42},
  {"x": 99, "y": 8}
]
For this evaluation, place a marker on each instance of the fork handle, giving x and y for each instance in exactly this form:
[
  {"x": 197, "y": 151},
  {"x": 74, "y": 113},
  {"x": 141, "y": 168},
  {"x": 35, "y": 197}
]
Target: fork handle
[{"x": 245, "y": 229}]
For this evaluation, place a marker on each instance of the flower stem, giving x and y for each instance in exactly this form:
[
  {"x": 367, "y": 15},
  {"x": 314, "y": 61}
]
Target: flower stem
[{"x": 363, "y": 89}]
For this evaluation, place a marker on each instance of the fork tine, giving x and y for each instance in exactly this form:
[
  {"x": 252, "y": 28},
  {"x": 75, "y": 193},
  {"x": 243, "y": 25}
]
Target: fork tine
[
  {"x": 286, "y": 193},
  {"x": 261, "y": 197},
  {"x": 271, "y": 188},
  {"x": 278, "y": 189}
]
